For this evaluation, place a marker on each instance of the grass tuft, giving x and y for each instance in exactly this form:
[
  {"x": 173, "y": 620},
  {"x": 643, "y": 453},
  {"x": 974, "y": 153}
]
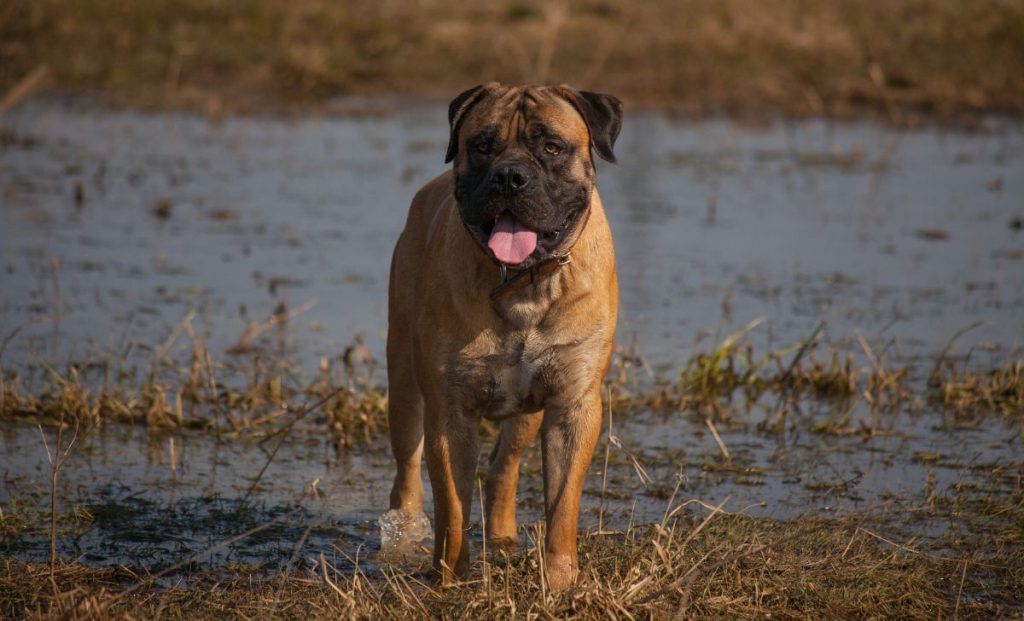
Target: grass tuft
[{"x": 247, "y": 395}]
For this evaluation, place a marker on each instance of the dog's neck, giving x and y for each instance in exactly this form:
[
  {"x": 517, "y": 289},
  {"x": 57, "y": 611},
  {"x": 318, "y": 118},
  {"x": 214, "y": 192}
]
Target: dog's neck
[
  {"x": 524, "y": 278},
  {"x": 475, "y": 274}
]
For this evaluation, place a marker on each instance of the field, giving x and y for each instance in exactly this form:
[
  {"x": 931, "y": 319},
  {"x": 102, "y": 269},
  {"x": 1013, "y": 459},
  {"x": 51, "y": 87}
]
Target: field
[{"x": 900, "y": 60}]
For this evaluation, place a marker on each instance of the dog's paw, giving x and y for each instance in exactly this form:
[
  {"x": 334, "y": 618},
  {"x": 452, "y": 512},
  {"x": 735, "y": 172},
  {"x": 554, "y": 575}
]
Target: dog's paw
[
  {"x": 560, "y": 572},
  {"x": 503, "y": 544}
]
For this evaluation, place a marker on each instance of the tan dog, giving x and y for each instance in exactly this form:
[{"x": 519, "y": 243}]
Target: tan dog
[{"x": 503, "y": 302}]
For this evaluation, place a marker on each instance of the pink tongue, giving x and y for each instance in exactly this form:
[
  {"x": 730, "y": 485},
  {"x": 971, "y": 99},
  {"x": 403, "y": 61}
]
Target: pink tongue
[{"x": 510, "y": 241}]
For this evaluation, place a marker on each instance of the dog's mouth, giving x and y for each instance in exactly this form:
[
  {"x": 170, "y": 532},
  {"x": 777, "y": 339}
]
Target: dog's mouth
[
  {"x": 513, "y": 242},
  {"x": 510, "y": 240}
]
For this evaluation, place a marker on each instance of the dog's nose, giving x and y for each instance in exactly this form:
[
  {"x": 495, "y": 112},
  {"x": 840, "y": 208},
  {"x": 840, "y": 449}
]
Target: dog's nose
[{"x": 510, "y": 178}]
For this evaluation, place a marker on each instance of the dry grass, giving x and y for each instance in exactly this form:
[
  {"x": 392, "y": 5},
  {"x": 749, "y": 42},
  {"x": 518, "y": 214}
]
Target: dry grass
[
  {"x": 254, "y": 394},
  {"x": 719, "y": 565},
  {"x": 898, "y": 58},
  {"x": 249, "y": 393},
  {"x": 690, "y": 565},
  {"x": 730, "y": 378},
  {"x": 969, "y": 395}
]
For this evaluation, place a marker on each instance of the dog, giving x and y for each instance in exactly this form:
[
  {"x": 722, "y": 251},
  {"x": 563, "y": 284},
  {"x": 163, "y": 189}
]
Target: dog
[{"x": 503, "y": 301}]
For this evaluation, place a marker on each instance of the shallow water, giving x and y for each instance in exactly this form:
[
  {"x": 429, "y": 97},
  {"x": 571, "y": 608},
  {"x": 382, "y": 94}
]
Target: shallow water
[
  {"x": 142, "y": 502},
  {"x": 796, "y": 222},
  {"x": 115, "y": 225}
]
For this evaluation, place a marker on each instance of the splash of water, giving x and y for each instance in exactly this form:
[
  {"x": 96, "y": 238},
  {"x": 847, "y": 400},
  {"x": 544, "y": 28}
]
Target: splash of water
[{"x": 401, "y": 536}]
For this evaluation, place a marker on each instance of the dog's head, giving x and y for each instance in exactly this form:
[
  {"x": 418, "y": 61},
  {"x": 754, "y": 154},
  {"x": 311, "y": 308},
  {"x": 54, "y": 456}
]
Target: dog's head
[{"x": 524, "y": 167}]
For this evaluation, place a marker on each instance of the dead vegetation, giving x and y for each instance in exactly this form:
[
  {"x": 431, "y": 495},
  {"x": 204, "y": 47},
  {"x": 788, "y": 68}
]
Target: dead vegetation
[
  {"x": 969, "y": 395},
  {"x": 715, "y": 565},
  {"x": 701, "y": 563},
  {"x": 247, "y": 393},
  {"x": 250, "y": 393},
  {"x": 900, "y": 59},
  {"x": 691, "y": 564}
]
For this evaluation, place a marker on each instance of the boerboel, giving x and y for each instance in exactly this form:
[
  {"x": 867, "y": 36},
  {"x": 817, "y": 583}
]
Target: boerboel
[{"x": 503, "y": 303}]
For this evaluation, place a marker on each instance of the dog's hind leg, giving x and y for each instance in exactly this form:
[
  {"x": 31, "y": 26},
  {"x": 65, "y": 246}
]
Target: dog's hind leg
[{"x": 517, "y": 434}]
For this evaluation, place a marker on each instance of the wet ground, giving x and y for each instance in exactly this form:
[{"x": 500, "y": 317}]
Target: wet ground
[{"x": 115, "y": 225}]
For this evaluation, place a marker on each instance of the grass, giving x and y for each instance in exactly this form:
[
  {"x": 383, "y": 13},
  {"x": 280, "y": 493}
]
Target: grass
[
  {"x": 900, "y": 59},
  {"x": 970, "y": 395},
  {"x": 257, "y": 395},
  {"x": 729, "y": 379},
  {"x": 694, "y": 563},
  {"x": 249, "y": 393},
  {"x": 712, "y": 565}
]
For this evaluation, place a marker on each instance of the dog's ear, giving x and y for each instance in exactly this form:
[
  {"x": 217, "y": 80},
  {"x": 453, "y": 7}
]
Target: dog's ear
[
  {"x": 603, "y": 115},
  {"x": 457, "y": 110}
]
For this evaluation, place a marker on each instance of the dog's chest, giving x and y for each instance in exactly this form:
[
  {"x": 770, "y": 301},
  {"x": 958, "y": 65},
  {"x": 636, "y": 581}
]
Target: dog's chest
[
  {"x": 512, "y": 376},
  {"x": 514, "y": 389}
]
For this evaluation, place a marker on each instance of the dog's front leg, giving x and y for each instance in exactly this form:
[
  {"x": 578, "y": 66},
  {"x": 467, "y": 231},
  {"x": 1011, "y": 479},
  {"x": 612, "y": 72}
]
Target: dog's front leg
[
  {"x": 568, "y": 435},
  {"x": 517, "y": 433},
  {"x": 451, "y": 450}
]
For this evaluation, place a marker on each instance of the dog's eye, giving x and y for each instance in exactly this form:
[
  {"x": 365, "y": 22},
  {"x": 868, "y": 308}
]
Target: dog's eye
[
  {"x": 552, "y": 149},
  {"x": 483, "y": 147}
]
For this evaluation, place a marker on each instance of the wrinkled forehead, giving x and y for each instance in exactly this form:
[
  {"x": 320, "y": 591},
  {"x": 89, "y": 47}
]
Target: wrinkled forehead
[{"x": 519, "y": 110}]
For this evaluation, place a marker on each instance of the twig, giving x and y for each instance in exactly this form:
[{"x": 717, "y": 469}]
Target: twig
[
  {"x": 904, "y": 548},
  {"x": 3, "y": 347},
  {"x": 254, "y": 329},
  {"x": 935, "y": 377},
  {"x": 297, "y": 550},
  {"x": 680, "y": 477},
  {"x": 604, "y": 472},
  {"x": 161, "y": 351},
  {"x": 23, "y": 88},
  {"x": 483, "y": 554},
  {"x": 960, "y": 593},
  {"x": 641, "y": 472},
  {"x": 327, "y": 580},
  {"x": 538, "y": 548},
  {"x": 284, "y": 434},
  {"x": 718, "y": 439},
  {"x": 704, "y": 523},
  {"x": 784, "y": 391},
  {"x": 56, "y": 460}
]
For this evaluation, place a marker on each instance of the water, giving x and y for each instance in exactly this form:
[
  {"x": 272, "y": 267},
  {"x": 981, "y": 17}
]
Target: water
[
  {"x": 796, "y": 222},
  {"x": 402, "y": 534},
  {"x": 116, "y": 225}
]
